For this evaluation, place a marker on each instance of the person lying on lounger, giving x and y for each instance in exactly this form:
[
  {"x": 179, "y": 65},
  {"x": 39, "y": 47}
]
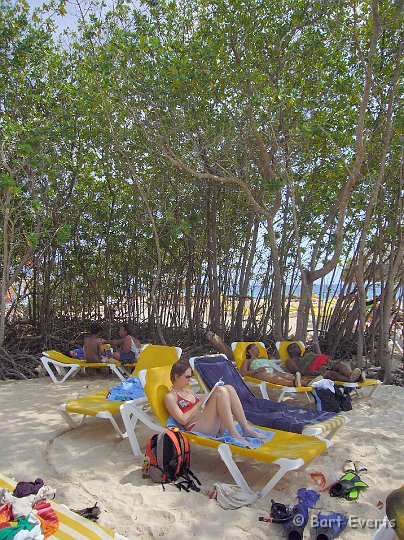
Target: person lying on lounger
[
  {"x": 260, "y": 368},
  {"x": 129, "y": 347},
  {"x": 213, "y": 419},
  {"x": 312, "y": 364}
]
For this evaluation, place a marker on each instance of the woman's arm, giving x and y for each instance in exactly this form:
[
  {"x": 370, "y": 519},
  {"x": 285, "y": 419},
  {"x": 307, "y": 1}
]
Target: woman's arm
[
  {"x": 246, "y": 371},
  {"x": 174, "y": 410},
  {"x": 118, "y": 341}
]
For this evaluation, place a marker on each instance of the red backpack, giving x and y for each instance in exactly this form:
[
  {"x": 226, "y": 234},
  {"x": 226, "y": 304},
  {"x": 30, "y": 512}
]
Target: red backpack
[{"x": 168, "y": 458}]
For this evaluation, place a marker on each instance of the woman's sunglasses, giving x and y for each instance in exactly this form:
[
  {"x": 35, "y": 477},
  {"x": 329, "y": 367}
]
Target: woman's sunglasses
[{"x": 188, "y": 376}]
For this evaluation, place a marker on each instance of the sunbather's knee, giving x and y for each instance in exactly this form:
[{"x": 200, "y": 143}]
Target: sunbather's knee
[
  {"x": 222, "y": 392},
  {"x": 230, "y": 389}
]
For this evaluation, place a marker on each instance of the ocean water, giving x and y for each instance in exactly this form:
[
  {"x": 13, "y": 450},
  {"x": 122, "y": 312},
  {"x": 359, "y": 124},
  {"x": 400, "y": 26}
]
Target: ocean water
[{"x": 332, "y": 290}]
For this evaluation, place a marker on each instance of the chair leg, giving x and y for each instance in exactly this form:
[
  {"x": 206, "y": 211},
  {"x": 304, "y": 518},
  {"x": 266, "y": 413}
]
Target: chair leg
[
  {"x": 108, "y": 416},
  {"x": 264, "y": 390},
  {"x": 62, "y": 371},
  {"x": 372, "y": 391},
  {"x": 131, "y": 413},
  {"x": 285, "y": 465},
  {"x": 69, "y": 419},
  {"x": 118, "y": 373},
  {"x": 282, "y": 395},
  {"x": 308, "y": 394},
  {"x": 227, "y": 457},
  {"x": 130, "y": 421},
  {"x": 367, "y": 395}
]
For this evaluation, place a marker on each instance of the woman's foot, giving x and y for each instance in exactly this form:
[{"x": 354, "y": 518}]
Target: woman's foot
[
  {"x": 250, "y": 432},
  {"x": 241, "y": 439},
  {"x": 298, "y": 380},
  {"x": 355, "y": 375}
]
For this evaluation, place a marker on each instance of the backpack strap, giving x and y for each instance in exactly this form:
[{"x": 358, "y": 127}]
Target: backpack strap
[
  {"x": 178, "y": 441},
  {"x": 150, "y": 449},
  {"x": 194, "y": 478},
  {"x": 187, "y": 484}
]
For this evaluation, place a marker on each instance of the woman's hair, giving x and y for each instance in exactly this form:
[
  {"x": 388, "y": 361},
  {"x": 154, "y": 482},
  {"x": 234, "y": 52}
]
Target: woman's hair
[
  {"x": 178, "y": 369},
  {"x": 127, "y": 327},
  {"x": 247, "y": 350}
]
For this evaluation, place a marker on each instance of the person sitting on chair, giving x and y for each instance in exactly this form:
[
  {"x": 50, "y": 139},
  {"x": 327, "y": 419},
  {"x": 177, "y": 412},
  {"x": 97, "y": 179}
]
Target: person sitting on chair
[
  {"x": 188, "y": 409},
  {"x": 129, "y": 347},
  {"x": 92, "y": 348},
  {"x": 260, "y": 368},
  {"x": 313, "y": 364}
]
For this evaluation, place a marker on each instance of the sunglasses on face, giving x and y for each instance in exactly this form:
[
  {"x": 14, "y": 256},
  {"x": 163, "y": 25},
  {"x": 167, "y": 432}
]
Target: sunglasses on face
[{"x": 187, "y": 376}]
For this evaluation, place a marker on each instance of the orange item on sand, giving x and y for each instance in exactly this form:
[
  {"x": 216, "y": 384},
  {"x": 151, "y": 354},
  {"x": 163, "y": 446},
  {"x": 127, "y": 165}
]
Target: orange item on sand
[{"x": 319, "y": 479}]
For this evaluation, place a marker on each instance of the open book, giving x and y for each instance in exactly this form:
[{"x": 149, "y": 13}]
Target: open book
[{"x": 220, "y": 382}]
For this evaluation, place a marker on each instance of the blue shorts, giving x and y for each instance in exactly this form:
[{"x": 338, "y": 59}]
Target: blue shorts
[{"x": 127, "y": 357}]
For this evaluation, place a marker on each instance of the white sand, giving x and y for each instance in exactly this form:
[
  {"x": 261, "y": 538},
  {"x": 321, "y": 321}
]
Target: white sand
[{"x": 92, "y": 464}]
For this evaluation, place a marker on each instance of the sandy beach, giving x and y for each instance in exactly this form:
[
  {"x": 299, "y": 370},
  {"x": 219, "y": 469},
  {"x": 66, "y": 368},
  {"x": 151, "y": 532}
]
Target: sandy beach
[{"x": 92, "y": 464}]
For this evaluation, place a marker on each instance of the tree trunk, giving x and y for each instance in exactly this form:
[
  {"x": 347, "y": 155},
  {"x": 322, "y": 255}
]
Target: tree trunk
[
  {"x": 219, "y": 344},
  {"x": 212, "y": 244},
  {"x": 245, "y": 275},
  {"x": 6, "y": 264}
]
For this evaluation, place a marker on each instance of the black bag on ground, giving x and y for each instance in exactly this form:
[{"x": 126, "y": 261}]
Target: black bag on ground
[
  {"x": 343, "y": 396},
  {"x": 327, "y": 400},
  {"x": 169, "y": 457}
]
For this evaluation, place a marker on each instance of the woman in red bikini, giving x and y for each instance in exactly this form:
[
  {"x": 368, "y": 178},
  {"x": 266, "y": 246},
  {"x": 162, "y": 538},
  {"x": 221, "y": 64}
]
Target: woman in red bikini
[{"x": 188, "y": 410}]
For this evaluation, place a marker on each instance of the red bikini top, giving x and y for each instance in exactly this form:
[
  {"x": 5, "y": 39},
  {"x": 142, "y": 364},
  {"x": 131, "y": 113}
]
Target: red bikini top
[{"x": 185, "y": 404}]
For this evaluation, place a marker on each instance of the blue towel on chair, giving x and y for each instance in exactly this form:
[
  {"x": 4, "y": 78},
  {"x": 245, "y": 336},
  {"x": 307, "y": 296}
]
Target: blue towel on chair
[
  {"x": 254, "y": 442},
  {"x": 127, "y": 390},
  {"x": 79, "y": 352}
]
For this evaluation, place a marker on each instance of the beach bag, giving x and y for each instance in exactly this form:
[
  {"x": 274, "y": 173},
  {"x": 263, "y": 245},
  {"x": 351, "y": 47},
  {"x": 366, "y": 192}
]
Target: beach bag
[
  {"x": 167, "y": 460},
  {"x": 343, "y": 396},
  {"x": 328, "y": 401}
]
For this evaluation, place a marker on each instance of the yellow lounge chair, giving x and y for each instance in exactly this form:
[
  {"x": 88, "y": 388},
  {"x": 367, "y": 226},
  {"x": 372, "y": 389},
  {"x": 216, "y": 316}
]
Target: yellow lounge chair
[
  {"x": 60, "y": 367},
  {"x": 71, "y": 525},
  {"x": 239, "y": 352},
  {"x": 97, "y": 404},
  {"x": 323, "y": 430},
  {"x": 372, "y": 384},
  {"x": 290, "y": 451}
]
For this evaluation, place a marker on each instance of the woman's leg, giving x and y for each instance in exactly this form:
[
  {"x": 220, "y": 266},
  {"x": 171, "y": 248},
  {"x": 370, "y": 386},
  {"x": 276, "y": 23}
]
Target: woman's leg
[
  {"x": 238, "y": 413},
  {"x": 218, "y": 414},
  {"x": 285, "y": 379}
]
